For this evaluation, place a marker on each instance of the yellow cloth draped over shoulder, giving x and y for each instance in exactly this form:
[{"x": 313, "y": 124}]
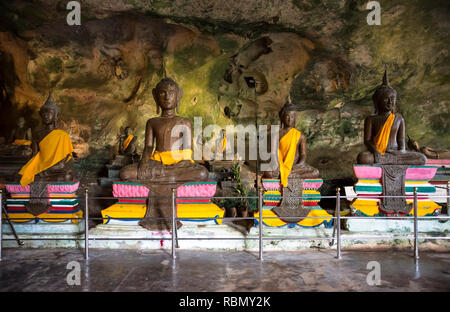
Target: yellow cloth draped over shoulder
[
  {"x": 172, "y": 157},
  {"x": 127, "y": 141},
  {"x": 224, "y": 143},
  {"x": 382, "y": 138},
  {"x": 52, "y": 149},
  {"x": 21, "y": 142},
  {"x": 286, "y": 153}
]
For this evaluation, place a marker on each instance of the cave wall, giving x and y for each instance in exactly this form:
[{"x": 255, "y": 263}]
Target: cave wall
[{"x": 322, "y": 54}]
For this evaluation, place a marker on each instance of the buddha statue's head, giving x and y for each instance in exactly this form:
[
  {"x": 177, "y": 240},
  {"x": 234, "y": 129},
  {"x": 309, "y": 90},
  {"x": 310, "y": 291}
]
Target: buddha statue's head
[
  {"x": 288, "y": 115},
  {"x": 49, "y": 112},
  {"x": 385, "y": 97},
  {"x": 127, "y": 131},
  {"x": 167, "y": 95}
]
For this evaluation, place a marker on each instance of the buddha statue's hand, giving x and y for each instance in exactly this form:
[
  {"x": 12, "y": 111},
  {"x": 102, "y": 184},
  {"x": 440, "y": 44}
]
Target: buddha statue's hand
[{"x": 395, "y": 152}]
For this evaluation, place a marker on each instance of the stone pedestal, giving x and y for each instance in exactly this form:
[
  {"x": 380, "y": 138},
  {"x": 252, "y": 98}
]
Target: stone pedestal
[
  {"x": 370, "y": 185},
  {"x": 38, "y": 229},
  {"x": 441, "y": 179},
  {"x": 310, "y": 203},
  {"x": 60, "y": 210}
]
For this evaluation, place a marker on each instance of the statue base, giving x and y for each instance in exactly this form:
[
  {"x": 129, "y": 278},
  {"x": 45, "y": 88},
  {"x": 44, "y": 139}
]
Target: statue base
[
  {"x": 193, "y": 204},
  {"x": 369, "y": 186},
  {"x": 441, "y": 179},
  {"x": 310, "y": 203},
  {"x": 36, "y": 229},
  {"x": 59, "y": 210}
]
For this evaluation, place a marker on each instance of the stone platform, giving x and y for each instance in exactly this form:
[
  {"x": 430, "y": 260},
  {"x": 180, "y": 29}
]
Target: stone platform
[
  {"x": 441, "y": 179},
  {"x": 37, "y": 229},
  {"x": 361, "y": 233}
]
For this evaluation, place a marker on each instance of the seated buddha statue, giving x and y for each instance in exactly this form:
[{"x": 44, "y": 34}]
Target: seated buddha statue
[
  {"x": 51, "y": 161},
  {"x": 21, "y": 135},
  {"x": 384, "y": 132},
  {"x": 161, "y": 160},
  {"x": 291, "y": 150},
  {"x": 52, "y": 150},
  {"x": 164, "y": 165},
  {"x": 128, "y": 144}
]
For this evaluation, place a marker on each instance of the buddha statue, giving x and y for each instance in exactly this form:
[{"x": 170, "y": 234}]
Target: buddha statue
[
  {"x": 384, "y": 132},
  {"x": 163, "y": 165},
  {"x": 384, "y": 137},
  {"x": 166, "y": 164},
  {"x": 51, "y": 162},
  {"x": 128, "y": 144},
  {"x": 292, "y": 168},
  {"x": 291, "y": 150},
  {"x": 21, "y": 135},
  {"x": 19, "y": 142}
]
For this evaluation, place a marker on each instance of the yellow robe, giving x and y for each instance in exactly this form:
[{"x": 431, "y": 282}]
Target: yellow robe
[
  {"x": 21, "y": 142},
  {"x": 286, "y": 153},
  {"x": 172, "y": 157},
  {"x": 52, "y": 149},
  {"x": 382, "y": 138},
  {"x": 224, "y": 143},
  {"x": 127, "y": 141}
]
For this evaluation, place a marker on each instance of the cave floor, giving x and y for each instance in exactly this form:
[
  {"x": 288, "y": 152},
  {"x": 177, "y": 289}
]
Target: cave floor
[{"x": 196, "y": 271}]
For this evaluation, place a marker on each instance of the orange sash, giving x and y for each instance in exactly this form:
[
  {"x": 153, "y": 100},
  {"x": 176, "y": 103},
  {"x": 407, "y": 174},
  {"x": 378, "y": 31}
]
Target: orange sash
[
  {"x": 127, "y": 141},
  {"x": 286, "y": 153},
  {"x": 382, "y": 138}
]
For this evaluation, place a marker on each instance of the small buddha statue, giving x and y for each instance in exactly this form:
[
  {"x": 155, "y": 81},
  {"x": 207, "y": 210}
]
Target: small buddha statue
[
  {"x": 384, "y": 132},
  {"x": 291, "y": 150},
  {"x": 51, "y": 161},
  {"x": 128, "y": 144},
  {"x": 21, "y": 135},
  {"x": 166, "y": 164},
  {"x": 220, "y": 145}
]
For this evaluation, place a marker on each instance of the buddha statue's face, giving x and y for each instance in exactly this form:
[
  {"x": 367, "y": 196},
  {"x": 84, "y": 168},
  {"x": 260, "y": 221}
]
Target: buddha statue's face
[
  {"x": 288, "y": 118},
  {"x": 127, "y": 131},
  {"x": 386, "y": 101},
  {"x": 166, "y": 96},
  {"x": 48, "y": 116}
]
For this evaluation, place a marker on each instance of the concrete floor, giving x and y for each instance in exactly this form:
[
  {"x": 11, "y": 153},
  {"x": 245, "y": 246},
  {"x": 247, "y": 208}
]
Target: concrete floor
[{"x": 196, "y": 271}]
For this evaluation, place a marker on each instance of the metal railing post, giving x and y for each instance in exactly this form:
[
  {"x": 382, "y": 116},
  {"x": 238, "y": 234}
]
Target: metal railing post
[
  {"x": 1, "y": 222},
  {"x": 86, "y": 224},
  {"x": 174, "y": 256},
  {"x": 260, "y": 224},
  {"x": 338, "y": 221},
  {"x": 416, "y": 239},
  {"x": 448, "y": 198}
]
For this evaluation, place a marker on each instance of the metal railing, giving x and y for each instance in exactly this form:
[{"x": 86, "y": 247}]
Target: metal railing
[{"x": 174, "y": 237}]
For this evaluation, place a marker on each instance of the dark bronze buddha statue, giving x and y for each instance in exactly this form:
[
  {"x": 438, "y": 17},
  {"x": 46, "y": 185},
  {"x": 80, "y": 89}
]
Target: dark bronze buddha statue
[
  {"x": 51, "y": 162},
  {"x": 167, "y": 163},
  {"x": 384, "y": 132},
  {"x": 291, "y": 150}
]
